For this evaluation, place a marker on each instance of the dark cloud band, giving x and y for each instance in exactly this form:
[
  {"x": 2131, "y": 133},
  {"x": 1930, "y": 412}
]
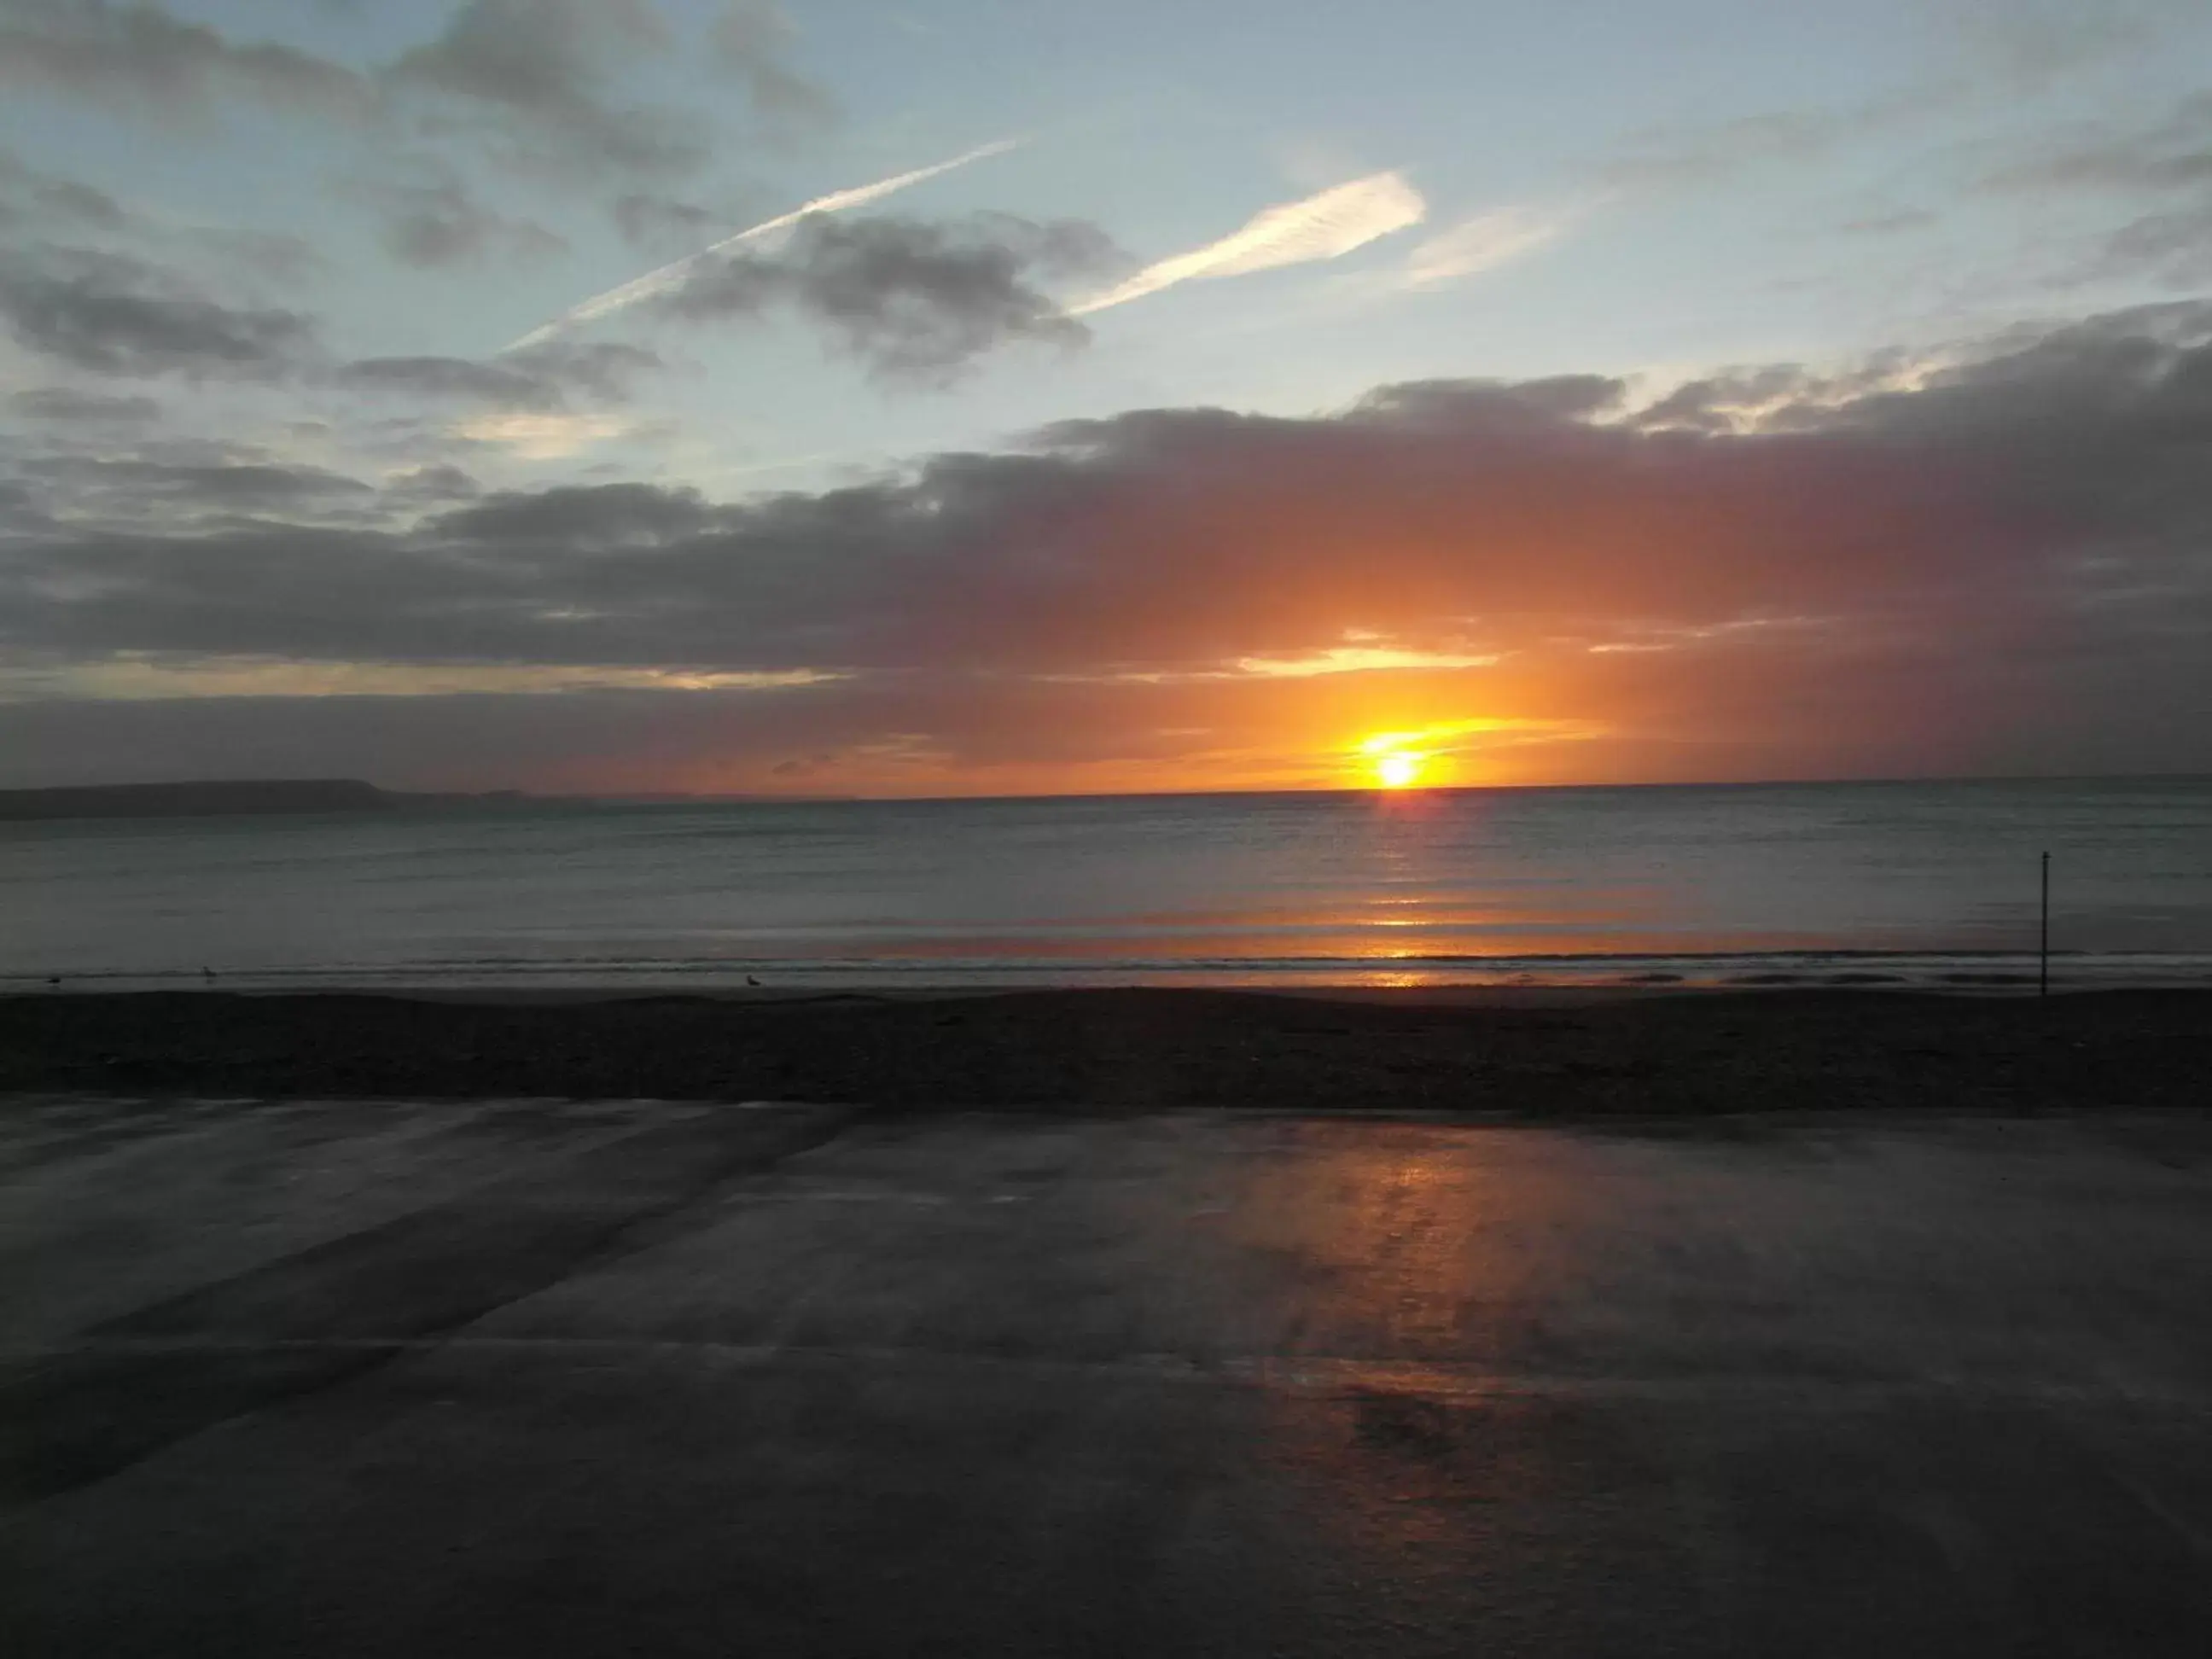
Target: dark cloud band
[{"x": 2018, "y": 544}]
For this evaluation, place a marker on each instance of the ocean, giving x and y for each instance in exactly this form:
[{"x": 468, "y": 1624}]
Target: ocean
[{"x": 1837, "y": 882}]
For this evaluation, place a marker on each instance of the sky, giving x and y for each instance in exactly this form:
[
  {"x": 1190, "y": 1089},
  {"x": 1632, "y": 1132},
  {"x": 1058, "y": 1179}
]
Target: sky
[{"x": 987, "y": 397}]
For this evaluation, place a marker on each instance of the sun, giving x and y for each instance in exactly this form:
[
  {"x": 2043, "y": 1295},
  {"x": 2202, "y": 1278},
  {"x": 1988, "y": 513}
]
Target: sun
[
  {"x": 1398, "y": 768},
  {"x": 1401, "y": 759}
]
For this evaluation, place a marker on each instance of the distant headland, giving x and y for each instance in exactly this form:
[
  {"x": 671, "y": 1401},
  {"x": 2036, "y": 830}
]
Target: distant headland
[{"x": 240, "y": 797}]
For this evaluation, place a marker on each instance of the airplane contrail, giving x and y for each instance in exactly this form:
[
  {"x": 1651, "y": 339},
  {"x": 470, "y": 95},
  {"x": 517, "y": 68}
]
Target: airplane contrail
[
  {"x": 672, "y": 275},
  {"x": 1321, "y": 227}
]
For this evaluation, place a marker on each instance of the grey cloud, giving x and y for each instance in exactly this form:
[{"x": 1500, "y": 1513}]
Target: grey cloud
[
  {"x": 2033, "y": 40},
  {"x": 908, "y": 297},
  {"x": 2100, "y": 378},
  {"x": 1464, "y": 407},
  {"x": 752, "y": 36},
  {"x": 463, "y": 742},
  {"x": 2167, "y": 161},
  {"x": 65, "y": 404},
  {"x": 116, "y": 314},
  {"x": 2172, "y": 152},
  {"x": 650, "y": 221},
  {"x": 573, "y": 518},
  {"x": 1716, "y": 403},
  {"x": 2174, "y": 248},
  {"x": 231, "y": 485},
  {"x": 536, "y": 82},
  {"x": 448, "y": 377},
  {"x": 607, "y": 370},
  {"x": 544, "y": 66},
  {"x": 29, "y": 193},
  {"x": 542, "y": 377},
  {"x": 50, "y": 205},
  {"x": 270, "y": 256},
  {"x": 2017, "y": 547},
  {"x": 442, "y": 224},
  {"x": 1892, "y": 223},
  {"x": 1698, "y": 152},
  {"x": 2121, "y": 166},
  {"x": 142, "y": 59},
  {"x": 161, "y": 491},
  {"x": 194, "y": 451},
  {"x": 436, "y": 484}
]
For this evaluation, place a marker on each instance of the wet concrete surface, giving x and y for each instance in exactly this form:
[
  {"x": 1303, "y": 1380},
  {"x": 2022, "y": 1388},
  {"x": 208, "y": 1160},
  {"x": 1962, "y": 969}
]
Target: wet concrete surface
[{"x": 548, "y": 1378}]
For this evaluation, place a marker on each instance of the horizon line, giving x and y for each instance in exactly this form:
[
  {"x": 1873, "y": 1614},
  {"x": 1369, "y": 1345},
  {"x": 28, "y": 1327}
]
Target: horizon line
[{"x": 511, "y": 793}]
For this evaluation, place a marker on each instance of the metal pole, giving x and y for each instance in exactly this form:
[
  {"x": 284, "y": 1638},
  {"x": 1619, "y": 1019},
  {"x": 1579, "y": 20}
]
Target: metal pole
[{"x": 2042, "y": 970}]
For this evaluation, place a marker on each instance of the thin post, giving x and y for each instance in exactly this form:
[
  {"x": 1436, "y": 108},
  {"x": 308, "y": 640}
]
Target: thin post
[{"x": 2043, "y": 969}]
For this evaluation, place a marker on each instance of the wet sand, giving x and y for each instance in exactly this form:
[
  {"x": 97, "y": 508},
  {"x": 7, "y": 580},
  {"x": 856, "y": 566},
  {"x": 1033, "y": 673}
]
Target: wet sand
[
  {"x": 1540, "y": 1055},
  {"x": 394, "y": 1377}
]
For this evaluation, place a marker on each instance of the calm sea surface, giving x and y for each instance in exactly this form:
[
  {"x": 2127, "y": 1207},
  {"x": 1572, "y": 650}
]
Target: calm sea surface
[{"x": 1754, "y": 884}]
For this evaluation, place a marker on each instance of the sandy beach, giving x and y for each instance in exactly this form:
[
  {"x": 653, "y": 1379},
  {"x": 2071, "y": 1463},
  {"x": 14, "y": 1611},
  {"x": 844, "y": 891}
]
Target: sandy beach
[{"x": 1542, "y": 1055}]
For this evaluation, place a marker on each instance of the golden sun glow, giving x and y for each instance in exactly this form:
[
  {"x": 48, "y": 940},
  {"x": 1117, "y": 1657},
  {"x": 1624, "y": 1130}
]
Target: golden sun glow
[
  {"x": 1449, "y": 754},
  {"x": 1398, "y": 768},
  {"x": 1393, "y": 760}
]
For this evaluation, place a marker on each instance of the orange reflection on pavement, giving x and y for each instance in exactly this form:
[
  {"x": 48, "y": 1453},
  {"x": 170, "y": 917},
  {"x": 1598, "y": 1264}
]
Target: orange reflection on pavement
[{"x": 1401, "y": 1428}]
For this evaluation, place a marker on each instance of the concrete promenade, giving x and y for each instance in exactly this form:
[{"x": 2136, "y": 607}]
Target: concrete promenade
[{"x": 548, "y": 1378}]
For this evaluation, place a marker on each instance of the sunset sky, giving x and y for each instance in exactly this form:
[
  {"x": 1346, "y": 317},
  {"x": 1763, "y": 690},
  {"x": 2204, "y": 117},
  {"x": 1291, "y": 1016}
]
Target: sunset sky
[{"x": 923, "y": 397}]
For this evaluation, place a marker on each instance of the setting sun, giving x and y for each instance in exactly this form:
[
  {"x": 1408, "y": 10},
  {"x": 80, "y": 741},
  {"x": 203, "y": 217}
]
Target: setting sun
[
  {"x": 1397, "y": 770},
  {"x": 1392, "y": 760}
]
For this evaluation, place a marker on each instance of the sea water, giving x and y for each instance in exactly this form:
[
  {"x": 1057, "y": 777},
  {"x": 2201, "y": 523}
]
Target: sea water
[{"x": 1856, "y": 883}]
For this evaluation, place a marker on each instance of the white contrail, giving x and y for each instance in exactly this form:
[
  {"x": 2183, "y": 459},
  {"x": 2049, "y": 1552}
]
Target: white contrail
[
  {"x": 672, "y": 276},
  {"x": 1479, "y": 244},
  {"x": 1321, "y": 227}
]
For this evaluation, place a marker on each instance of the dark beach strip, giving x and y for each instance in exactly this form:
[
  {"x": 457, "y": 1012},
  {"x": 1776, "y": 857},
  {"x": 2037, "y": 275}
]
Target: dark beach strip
[{"x": 1791, "y": 1050}]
